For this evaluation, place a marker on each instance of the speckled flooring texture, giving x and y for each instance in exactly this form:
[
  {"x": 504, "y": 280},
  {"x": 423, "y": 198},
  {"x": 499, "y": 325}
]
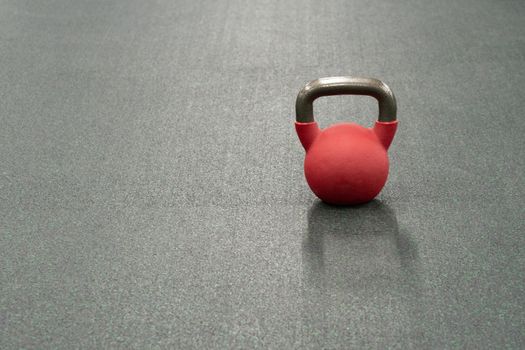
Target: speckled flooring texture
[{"x": 152, "y": 191}]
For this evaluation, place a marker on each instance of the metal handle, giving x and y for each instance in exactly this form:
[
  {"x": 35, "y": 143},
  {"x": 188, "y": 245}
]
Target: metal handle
[{"x": 345, "y": 86}]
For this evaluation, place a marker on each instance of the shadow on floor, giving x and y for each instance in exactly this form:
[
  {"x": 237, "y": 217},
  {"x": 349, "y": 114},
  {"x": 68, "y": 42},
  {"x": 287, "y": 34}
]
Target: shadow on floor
[
  {"x": 359, "y": 265},
  {"x": 362, "y": 240}
]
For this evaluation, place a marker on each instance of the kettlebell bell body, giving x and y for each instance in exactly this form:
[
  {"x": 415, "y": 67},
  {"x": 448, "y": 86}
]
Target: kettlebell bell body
[{"x": 346, "y": 163}]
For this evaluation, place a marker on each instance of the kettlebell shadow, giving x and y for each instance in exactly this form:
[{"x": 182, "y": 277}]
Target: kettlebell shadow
[{"x": 345, "y": 245}]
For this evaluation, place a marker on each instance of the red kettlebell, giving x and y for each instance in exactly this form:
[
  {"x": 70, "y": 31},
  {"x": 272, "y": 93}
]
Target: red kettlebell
[{"x": 346, "y": 163}]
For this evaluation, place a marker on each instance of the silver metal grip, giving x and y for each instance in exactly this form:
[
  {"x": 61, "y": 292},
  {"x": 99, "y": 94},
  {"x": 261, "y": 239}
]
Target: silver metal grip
[{"x": 345, "y": 86}]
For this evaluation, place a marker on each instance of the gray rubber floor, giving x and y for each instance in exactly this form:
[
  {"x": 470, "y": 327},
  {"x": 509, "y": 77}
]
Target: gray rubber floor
[{"x": 152, "y": 192}]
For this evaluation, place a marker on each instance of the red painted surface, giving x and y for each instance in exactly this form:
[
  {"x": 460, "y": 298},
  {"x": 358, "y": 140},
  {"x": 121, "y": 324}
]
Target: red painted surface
[{"x": 346, "y": 163}]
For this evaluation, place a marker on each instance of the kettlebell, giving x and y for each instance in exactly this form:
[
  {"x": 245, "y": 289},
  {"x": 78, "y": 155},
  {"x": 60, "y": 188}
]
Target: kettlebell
[{"x": 346, "y": 163}]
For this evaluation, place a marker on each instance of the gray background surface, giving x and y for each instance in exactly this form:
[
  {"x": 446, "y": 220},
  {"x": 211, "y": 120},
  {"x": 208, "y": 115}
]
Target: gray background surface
[{"x": 151, "y": 185}]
